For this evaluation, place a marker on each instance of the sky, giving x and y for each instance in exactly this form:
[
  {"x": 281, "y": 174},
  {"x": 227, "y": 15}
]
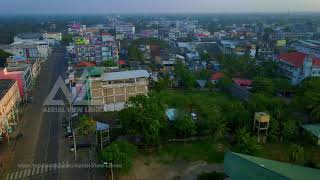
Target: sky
[{"x": 154, "y": 6}]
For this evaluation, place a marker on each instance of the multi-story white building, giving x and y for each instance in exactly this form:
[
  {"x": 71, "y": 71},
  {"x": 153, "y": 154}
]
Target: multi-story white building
[
  {"x": 297, "y": 66},
  {"x": 128, "y": 29},
  {"x": 29, "y": 49},
  {"x": 53, "y": 35},
  {"x": 22, "y": 51},
  {"x": 237, "y": 48},
  {"x": 53, "y": 38}
]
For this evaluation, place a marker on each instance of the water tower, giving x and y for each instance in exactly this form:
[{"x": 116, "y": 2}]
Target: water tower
[{"x": 261, "y": 125}]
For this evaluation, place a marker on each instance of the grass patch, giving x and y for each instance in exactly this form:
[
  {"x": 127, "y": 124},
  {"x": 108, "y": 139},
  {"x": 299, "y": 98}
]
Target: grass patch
[
  {"x": 279, "y": 152},
  {"x": 191, "y": 152}
]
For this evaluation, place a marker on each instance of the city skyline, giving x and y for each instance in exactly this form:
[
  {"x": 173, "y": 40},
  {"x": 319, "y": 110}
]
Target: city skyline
[{"x": 148, "y": 6}]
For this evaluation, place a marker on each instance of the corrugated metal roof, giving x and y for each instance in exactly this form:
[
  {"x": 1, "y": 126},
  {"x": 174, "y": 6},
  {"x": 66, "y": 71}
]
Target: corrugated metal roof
[
  {"x": 240, "y": 166},
  {"x": 313, "y": 128},
  {"x": 125, "y": 75},
  {"x": 171, "y": 114}
]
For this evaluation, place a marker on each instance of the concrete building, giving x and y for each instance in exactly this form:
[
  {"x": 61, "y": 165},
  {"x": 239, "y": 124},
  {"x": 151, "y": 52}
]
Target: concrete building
[
  {"x": 297, "y": 66},
  {"x": 35, "y": 64},
  {"x": 21, "y": 74},
  {"x": 115, "y": 88},
  {"x": 29, "y": 49},
  {"x": 237, "y": 48},
  {"x": 127, "y": 29},
  {"x": 53, "y": 38},
  {"x": 96, "y": 52},
  {"x": 297, "y": 35},
  {"x": 266, "y": 51},
  {"x": 9, "y": 102},
  {"x": 27, "y": 37},
  {"x": 53, "y": 35},
  {"x": 22, "y": 51},
  {"x": 307, "y": 46}
]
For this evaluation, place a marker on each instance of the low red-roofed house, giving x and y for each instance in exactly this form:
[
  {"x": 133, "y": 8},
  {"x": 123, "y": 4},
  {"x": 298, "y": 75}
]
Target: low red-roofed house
[
  {"x": 297, "y": 66},
  {"x": 122, "y": 62},
  {"x": 215, "y": 77},
  {"x": 246, "y": 83},
  {"x": 85, "y": 64}
]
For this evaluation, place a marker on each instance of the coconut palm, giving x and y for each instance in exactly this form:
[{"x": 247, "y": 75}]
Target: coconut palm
[{"x": 295, "y": 152}]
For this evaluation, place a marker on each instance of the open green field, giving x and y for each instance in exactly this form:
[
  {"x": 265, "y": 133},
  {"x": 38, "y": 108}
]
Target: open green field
[
  {"x": 202, "y": 102},
  {"x": 196, "y": 151}
]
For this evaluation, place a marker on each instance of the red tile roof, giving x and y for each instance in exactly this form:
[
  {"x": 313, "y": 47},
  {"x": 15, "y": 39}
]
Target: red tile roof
[
  {"x": 201, "y": 35},
  {"x": 316, "y": 62},
  {"x": 105, "y": 34},
  {"x": 217, "y": 76},
  {"x": 242, "y": 82},
  {"x": 85, "y": 64},
  {"x": 296, "y": 59},
  {"x": 121, "y": 62}
]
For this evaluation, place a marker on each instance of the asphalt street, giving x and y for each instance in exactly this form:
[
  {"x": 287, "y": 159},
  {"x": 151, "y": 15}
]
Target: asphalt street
[{"x": 41, "y": 130}]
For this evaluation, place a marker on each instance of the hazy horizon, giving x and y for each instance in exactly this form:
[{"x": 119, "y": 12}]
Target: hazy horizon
[{"x": 13, "y": 7}]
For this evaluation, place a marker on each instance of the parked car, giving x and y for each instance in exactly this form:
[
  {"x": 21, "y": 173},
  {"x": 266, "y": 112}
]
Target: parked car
[
  {"x": 194, "y": 116},
  {"x": 68, "y": 136}
]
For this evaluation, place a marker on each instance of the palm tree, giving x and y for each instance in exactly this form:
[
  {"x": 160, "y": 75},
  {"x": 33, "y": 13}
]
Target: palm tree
[
  {"x": 245, "y": 143},
  {"x": 316, "y": 113},
  {"x": 295, "y": 152},
  {"x": 220, "y": 130}
]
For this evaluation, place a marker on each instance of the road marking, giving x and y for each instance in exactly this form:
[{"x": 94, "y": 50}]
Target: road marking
[
  {"x": 25, "y": 173},
  {"x": 37, "y": 171},
  {"x": 33, "y": 171},
  {"x": 20, "y": 174},
  {"x": 28, "y": 172},
  {"x": 16, "y": 175},
  {"x": 9, "y": 176}
]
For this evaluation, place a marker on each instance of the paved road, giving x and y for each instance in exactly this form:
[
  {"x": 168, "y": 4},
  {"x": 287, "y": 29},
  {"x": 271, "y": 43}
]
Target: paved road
[
  {"x": 41, "y": 130},
  {"x": 42, "y": 143}
]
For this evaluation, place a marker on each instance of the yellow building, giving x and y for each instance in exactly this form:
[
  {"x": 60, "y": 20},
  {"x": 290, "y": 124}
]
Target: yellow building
[{"x": 9, "y": 100}]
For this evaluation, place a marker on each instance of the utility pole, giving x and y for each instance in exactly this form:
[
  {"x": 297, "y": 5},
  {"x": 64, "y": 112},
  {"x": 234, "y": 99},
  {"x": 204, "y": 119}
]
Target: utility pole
[
  {"x": 74, "y": 145},
  {"x": 111, "y": 171}
]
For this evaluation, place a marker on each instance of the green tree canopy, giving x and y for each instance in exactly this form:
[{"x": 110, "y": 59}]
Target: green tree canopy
[
  {"x": 187, "y": 78},
  {"x": 224, "y": 83},
  {"x": 144, "y": 115},
  {"x": 308, "y": 97},
  {"x": 86, "y": 126},
  {"x": 119, "y": 153},
  {"x": 245, "y": 143},
  {"x": 3, "y": 57},
  {"x": 135, "y": 53},
  {"x": 184, "y": 124},
  {"x": 66, "y": 39},
  {"x": 263, "y": 85},
  {"x": 109, "y": 63}
]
